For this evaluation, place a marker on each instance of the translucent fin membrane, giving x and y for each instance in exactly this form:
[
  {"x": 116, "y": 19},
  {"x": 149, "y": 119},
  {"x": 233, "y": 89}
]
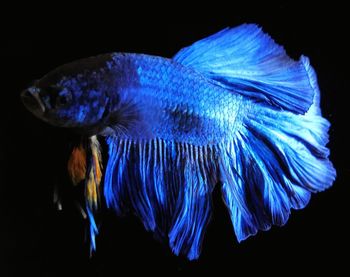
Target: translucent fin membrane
[
  {"x": 93, "y": 187},
  {"x": 273, "y": 165},
  {"x": 247, "y": 61},
  {"x": 167, "y": 185}
]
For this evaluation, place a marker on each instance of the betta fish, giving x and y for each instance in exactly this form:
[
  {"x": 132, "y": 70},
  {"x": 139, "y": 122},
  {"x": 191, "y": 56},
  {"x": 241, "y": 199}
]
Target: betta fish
[{"x": 231, "y": 110}]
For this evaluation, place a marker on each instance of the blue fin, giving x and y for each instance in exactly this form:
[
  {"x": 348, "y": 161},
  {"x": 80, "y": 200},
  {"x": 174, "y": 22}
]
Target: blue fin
[
  {"x": 93, "y": 230},
  {"x": 273, "y": 164},
  {"x": 247, "y": 61},
  {"x": 275, "y": 161},
  {"x": 166, "y": 184}
]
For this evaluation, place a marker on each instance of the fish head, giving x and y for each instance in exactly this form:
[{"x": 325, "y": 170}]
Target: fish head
[{"x": 74, "y": 95}]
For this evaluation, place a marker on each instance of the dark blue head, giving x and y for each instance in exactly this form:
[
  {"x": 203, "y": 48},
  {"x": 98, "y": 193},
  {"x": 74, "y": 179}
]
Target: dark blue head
[{"x": 74, "y": 95}]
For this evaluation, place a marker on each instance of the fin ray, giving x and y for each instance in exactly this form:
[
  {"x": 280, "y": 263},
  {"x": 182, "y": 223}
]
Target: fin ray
[
  {"x": 274, "y": 164},
  {"x": 247, "y": 61},
  {"x": 166, "y": 184}
]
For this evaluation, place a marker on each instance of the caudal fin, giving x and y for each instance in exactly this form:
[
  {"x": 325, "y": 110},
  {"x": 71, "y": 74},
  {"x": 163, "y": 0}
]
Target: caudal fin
[
  {"x": 271, "y": 166},
  {"x": 278, "y": 157}
]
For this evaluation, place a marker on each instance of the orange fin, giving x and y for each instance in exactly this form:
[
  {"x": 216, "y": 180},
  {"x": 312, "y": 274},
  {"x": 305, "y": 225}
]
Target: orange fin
[
  {"x": 95, "y": 174},
  {"x": 91, "y": 189},
  {"x": 77, "y": 165},
  {"x": 97, "y": 159}
]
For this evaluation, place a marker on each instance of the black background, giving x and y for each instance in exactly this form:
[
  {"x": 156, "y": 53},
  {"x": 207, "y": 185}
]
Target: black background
[{"x": 36, "y": 238}]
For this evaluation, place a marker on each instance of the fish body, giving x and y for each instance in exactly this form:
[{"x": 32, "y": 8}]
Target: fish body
[
  {"x": 166, "y": 99},
  {"x": 181, "y": 105},
  {"x": 231, "y": 110}
]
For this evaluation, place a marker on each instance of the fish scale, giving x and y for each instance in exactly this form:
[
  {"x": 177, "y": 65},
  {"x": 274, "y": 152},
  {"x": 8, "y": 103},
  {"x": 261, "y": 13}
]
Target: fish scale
[{"x": 185, "y": 105}]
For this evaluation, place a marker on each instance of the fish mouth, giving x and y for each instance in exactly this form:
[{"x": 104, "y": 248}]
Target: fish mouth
[{"x": 31, "y": 99}]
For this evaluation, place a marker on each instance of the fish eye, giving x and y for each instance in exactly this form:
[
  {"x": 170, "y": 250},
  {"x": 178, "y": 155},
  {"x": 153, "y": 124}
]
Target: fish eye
[
  {"x": 56, "y": 97},
  {"x": 63, "y": 98}
]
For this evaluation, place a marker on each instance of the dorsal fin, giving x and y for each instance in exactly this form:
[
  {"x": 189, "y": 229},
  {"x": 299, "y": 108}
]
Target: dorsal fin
[{"x": 247, "y": 61}]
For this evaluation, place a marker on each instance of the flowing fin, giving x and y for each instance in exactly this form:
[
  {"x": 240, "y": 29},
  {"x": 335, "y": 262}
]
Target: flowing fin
[
  {"x": 92, "y": 188},
  {"x": 272, "y": 165},
  {"x": 94, "y": 179},
  {"x": 247, "y": 61},
  {"x": 93, "y": 228},
  {"x": 166, "y": 184},
  {"x": 77, "y": 165},
  {"x": 276, "y": 158}
]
